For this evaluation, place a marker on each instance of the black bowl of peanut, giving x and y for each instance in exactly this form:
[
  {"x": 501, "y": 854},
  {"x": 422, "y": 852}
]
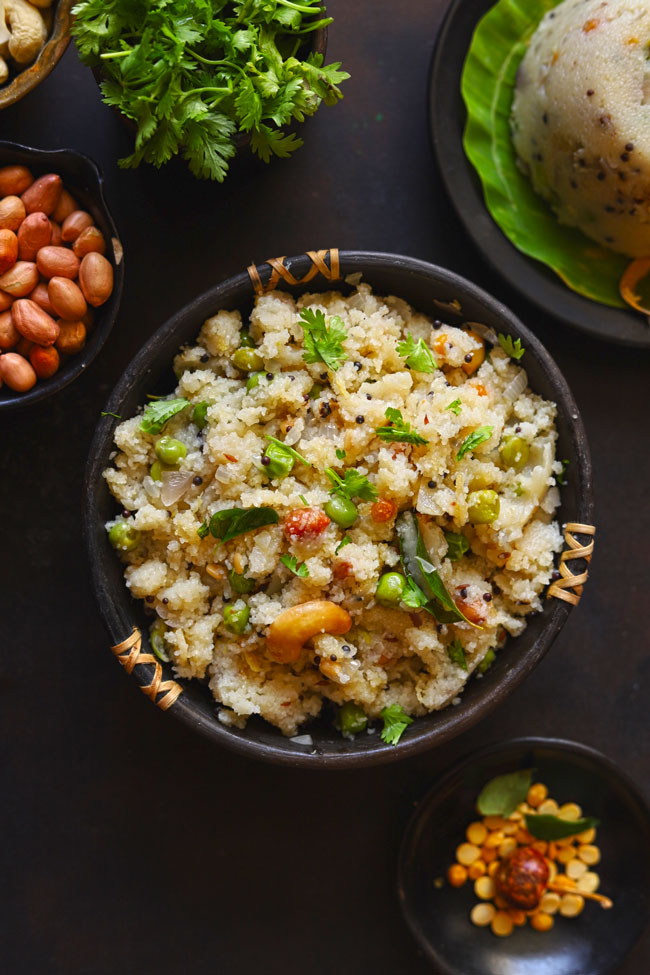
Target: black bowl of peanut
[
  {"x": 319, "y": 683},
  {"x": 61, "y": 270},
  {"x": 532, "y": 855}
]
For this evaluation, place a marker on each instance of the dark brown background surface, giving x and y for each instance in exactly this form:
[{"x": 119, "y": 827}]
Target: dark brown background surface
[{"x": 130, "y": 845}]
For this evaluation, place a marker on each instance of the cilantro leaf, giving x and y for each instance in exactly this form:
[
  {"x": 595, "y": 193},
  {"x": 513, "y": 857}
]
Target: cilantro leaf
[
  {"x": 399, "y": 431},
  {"x": 116, "y": 415},
  {"x": 353, "y": 484},
  {"x": 396, "y": 721},
  {"x": 511, "y": 347},
  {"x": 159, "y": 412},
  {"x": 456, "y": 653},
  {"x": 232, "y": 522},
  {"x": 455, "y": 407},
  {"x": 323, "y": 343},
  {"x": 561, "y": 477},
  {"x": 285, "y": 448},
  {"x": 479, "y": 436},
  {"x": 418, "y": 355},
  {"x": 457, "y": 545},
  {"x": 340, "y": 453},
  {"x": 291, "y": 563},
  {"x": 344, "y": 541},
  {"x": 413, "y": 597}
]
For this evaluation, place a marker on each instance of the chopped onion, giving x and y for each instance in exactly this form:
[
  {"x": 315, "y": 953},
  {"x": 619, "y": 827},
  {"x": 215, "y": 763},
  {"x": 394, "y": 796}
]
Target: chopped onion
[
  {"x": 302, "y": 740},
  {"x": 223, "y": 474},
  {"x": 484, "y": 331},
  {"x": 274, "y": 586},
  {"x": 516, "y": 386},
  {"x": 174, "y": 486},
  {"x": 294, "y": 434},
  {"x": 550, "y": 501}
]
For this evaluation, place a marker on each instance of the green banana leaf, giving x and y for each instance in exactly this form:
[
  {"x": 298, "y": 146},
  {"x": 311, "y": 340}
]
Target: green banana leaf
[{"x": 498, "y": 45}]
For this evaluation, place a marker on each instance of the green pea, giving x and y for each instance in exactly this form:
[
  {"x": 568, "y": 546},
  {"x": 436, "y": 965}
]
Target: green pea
[
  {"x": 390, "y": 588},
  {"x": 280, "y": 462},
  {"x": 341, "y": 510},
  {"x": 235, "y": 617},
  {"x": 352, "y": 719},
  {"x": 123, "y": 535},
  {"x": 253, "y": 381},
  {"x": 483, "y": 507},
  {"x": 199, "y": 414},
  {"x": 157, "y": 469},
  {"x": 247, "y": 360},
  {"x": 487, "y": 661},
  {"x": 239, "y": 583},
  {"x": 157, "y": 632},
  {"x": 170, "y": 451},
  {"x": 245, "y": 340},
  {"x": 514, "y": 452}
]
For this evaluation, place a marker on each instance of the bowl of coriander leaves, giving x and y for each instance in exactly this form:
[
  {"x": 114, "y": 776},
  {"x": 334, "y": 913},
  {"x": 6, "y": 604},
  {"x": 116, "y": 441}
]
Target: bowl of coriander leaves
[{"x": 207, "y": 88}]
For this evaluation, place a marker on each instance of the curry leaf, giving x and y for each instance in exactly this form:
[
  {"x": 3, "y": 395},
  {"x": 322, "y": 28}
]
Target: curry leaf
[
  {"x": 232, "y": 522},
  {"x": 547, "y": 827},
  {"x": 502, "y": 795}
]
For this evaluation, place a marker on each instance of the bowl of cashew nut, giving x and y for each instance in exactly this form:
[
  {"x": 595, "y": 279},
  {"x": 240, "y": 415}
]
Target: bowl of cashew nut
[{"x": 33, "y": 36}]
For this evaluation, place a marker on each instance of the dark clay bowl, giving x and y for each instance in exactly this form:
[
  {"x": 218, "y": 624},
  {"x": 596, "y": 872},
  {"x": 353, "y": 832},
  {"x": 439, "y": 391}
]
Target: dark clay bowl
[
  {"x": 22, "y": 81},
  {"x": 85, "y": 181},
  {"x": 593, "y": 943},
  {"x": 422, "y": 285}
]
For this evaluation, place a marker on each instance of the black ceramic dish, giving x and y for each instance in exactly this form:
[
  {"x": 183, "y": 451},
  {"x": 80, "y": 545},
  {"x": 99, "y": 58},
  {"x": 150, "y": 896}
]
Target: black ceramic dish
[
  {"x": 422, "y": 285},
  {"x": 593, "y": 943},
  {"x": 447, "y": 122},
  {"x": 83, "y": 178}
]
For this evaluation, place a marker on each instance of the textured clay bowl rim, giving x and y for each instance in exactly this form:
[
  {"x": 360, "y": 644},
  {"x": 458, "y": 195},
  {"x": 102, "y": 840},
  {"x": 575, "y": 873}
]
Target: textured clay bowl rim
[
  {"x": 117, "y": 609},
  {"x": 475, "y": 758},
  {"x": 531, "y": 278},
  {"x": 71, "y": 164},
  {"x": 49, "y": 56}
]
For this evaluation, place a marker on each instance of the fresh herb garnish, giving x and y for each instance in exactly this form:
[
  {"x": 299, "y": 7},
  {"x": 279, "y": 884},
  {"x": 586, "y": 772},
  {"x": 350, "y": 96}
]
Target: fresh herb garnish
[
  {"x": 192, "y": 76},
  {"x": 344, "y": 541},
  {"x": 232, "y": 522},
  {"x": 304, "y": 500},
  {"x": 561, "y": 477},
  {"x": 289, "y": 451},
  {"x": 412, "y": 596},
  {"x": 323, "y": 343},
  {"x": 399, "y": 431},
  {"x": 291, "y": 563},
  {"x": 511, "y": 347},
  {"x": 396, "y": 721},
  {"x": 116, "y": 415},
  {"x": 159, "y": 412},
  {"x": 353, "y": 484},
  {"x": 547, "y": 827},
  {"x": 417, "y": 355},
  {"x": 502, "y": 795},
  {"x": 203, "y": 530},
  {"x": 425, "y": 578},
  {"x": 340, "y": 453},
  {"x": 457, "y": 545},
  {"x": 479, "y": 436},
  {"x": 455, "y": 407},
  {"x": 456, "y": 653}
]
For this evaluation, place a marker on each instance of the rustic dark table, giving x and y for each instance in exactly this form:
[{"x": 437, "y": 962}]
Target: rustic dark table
[{"x": 130, "y": 844}]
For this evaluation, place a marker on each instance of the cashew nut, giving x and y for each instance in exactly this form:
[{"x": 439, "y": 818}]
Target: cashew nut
[
  {"x": 22, "y": 30},
  {"x": 294, "y": 626}
]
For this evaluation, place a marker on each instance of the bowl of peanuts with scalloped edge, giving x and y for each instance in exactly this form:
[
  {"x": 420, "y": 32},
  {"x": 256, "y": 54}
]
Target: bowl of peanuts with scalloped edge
[
  {"x": 531, "y": 855},
  {"x": 61, "y": 270}
]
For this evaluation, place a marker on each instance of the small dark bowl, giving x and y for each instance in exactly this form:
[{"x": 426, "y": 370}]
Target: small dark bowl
[
  {"x": 592, "y": 944},
  {"x": 85, "y": 181},
  {"x": 50, "y": 54},
  {"x": 422, "y": 285}
]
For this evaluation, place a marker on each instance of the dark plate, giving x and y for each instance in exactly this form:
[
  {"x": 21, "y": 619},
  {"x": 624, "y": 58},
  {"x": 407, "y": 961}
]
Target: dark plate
[
  {"x": 593, "y": 943},
  {"x": 85, "y": 181},
  {"x": 535, "y": 281},
  {"x": 420, "y": 284}
]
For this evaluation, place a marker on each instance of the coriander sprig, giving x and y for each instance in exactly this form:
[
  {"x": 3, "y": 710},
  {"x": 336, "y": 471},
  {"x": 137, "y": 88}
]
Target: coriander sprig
[
  {"x": 323, "y": 341},
  {"x": 399, "y": 430}
]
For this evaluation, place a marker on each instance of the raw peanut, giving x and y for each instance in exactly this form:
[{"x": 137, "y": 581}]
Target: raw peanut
[
  {"x": 89, "y": 240},
  {"x": 24, "y": 347},
  {"x": 41, "y": 297},
  {"x": 8, "y": 333},
  {"x": 57, "y": 262},
  {"x": 34, "y": 232},
  {"x": 43, "y": 194},
  {"x": 8, "y": 250},
  {"x": 72, "y": 337},
  {"x": 17, "y": 372},
  {"x": 56, "y": 233},
  {"x": 96, "y": 278},
  {"x": 14, "y": 180},
  {"x": 34, "y": 323},
  {"x": 12, "y": 212},
  {"x": 6, "y": 300},
  {"x": 67, "y": 299},
  {"x": 20, "y": 280},
  {"x": 66, "y": 205},
  {"x": 44, "y": 361},
  {"x": 73, "y": 225}
]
